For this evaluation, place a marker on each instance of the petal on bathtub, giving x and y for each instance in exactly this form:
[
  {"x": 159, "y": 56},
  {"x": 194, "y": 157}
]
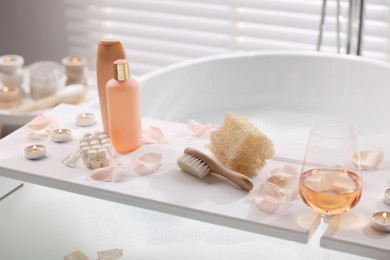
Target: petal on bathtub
[
  {"x": 41, "y": 126},
  {"x": 370, "y": 159},
  {"x": 197, "y": 129},
  {"x": 148, "y": 163},
  {"x": 76, "y": 255},
  {"x": 105, "y": 174},
  {"x": 153, "y": 135},
  {"x": 111, "y": 254}
]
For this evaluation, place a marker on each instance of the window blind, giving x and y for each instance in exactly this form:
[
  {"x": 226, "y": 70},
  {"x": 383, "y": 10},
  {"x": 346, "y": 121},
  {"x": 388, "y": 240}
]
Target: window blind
[{"x": 157, "y": 33}]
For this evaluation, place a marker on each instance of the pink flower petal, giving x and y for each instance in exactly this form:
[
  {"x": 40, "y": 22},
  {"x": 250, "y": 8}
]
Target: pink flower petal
[
  {"x": 268, "y": 197},
  {"x": 148, "y": 163},
  {"x": 41, "y": 126},
  {"x": 105, "y": 174},
  {"x": 153, "y": 135},
  {"x": 111, "y": 254},
  {"x": 280, "y": 176},
  {"x": 268, "y": 189},
  {"x": 76, "y": 255},
  {"x": 287, "y": 179},
  {"x": 369, "y": 160},
  {"x": 197, "y": 129},
  {"x": 282, "y": 186},
  {"x": 267, "y": 204},
  {"x": 294, "y": 194}
]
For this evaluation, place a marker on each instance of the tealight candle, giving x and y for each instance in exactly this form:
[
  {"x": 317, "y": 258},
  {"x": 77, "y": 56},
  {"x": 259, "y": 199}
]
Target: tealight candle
[
  {"x": 11, "y": 70},
  {"x": 61, "y": 135},
  {"x": 10, "y": 96},
  {"x": 386, "y": 198},
  {"x": 85, "y": 119},
  {"x": 75, "y": 70},
  {"x": 381, "y": 221},
  {"x": 10, "y": 63},
  {"x": 35, "y": 152},
  {"x": 8, "y": 93}
]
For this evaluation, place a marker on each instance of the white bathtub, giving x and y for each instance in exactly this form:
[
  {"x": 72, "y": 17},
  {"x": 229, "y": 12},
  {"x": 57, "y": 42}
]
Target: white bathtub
[
  {"x": 282, "y": 93},
  {"x": 332, "y": 84}
]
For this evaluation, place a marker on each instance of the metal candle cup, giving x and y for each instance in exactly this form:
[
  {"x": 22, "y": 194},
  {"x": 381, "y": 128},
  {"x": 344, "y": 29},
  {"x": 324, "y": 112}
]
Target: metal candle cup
[
  {"x": 386, "y": 198},
  {"x": 381, "y": 221},
  {"x": 35, "y": 152},
  {"x": 61, "y": 135}
]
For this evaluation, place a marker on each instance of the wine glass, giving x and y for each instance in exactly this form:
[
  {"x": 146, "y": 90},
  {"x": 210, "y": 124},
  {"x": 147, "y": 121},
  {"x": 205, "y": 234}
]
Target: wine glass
[{"x": 330, "y": 182}]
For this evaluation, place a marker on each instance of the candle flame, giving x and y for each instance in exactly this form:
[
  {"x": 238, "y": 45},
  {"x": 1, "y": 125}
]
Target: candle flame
[
  {"x": 34, "y": 148},
  {"x": 83, "y": 115},
  {"x": 5, "y": 89},
  {"x": 74, "y": 60},
  {"x": 60, "y": 131},
  {"x": 384, "y": 215},
  {"x": 8, "y": 59}
]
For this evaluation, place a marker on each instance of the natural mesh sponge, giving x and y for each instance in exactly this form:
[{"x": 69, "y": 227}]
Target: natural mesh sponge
[{"x": 240, "y": 146}]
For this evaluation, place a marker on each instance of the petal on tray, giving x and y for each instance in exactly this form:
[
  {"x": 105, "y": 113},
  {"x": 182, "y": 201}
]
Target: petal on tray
[
  {"x": 41, "y": 126},
  {"x": 76, "y": 255},
  {"x": 268, "y": 197},
  {"x": 111, "y": 254},
  {"x": 105, "y": 174},
  {"x": 153, "y": 135},
  {"x": 287, "y": 178},
  {"x": 197, "y": 129},
  {"x": 148, "y": 163}
]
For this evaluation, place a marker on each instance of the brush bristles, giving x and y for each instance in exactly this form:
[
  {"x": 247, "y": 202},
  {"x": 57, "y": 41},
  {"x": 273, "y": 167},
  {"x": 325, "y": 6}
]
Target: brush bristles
[{"x": 193, "y": 165}]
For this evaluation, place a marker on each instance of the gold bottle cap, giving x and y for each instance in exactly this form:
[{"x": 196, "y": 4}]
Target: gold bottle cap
[{"x": 121, "y": 70}]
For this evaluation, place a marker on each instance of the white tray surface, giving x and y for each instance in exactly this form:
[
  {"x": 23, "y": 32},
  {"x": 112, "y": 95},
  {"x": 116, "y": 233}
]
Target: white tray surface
[
  {"x": 169, "y": 190},
  {"x": 351, "y": 232}
]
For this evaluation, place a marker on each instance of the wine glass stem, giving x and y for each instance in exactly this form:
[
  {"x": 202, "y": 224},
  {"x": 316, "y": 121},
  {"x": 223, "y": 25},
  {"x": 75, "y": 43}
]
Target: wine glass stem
[{"x": 327, "y": 218}]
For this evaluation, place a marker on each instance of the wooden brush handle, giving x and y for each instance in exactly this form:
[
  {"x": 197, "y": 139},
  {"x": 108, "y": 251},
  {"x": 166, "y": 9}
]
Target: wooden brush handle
[{"x": 215, "y": 167}]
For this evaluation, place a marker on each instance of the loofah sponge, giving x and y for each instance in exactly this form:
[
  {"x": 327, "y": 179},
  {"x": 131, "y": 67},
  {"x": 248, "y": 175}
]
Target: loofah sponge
[{"x": 240, "y": 146}]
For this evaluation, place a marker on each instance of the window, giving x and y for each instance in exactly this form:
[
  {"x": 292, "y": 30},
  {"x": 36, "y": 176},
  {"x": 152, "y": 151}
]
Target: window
[{"x": 157, "y": 33}]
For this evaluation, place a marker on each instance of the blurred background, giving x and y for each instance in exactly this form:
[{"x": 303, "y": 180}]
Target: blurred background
[
  {"x": 35, "y": 29},
  {"x": 158, "y": 33}
]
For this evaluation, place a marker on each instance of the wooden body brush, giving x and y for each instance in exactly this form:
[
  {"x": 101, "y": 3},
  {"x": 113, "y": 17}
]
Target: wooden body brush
[{"x": 199, "y": 164}]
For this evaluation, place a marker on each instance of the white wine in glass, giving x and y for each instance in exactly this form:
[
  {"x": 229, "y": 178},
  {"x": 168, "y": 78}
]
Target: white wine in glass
[{"x": 330, "y": 183}]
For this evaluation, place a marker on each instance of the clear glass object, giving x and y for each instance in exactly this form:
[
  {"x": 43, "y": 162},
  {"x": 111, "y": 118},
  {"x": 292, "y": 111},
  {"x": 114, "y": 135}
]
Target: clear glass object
[
  {"x": 46, "y": 77},
  {"x": 330, "y": 184}
]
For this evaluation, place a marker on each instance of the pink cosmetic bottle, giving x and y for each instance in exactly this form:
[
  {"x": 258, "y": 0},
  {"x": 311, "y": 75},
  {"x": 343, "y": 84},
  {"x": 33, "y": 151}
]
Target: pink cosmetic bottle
[
  {"x": 108, "y": 51},
  {"x": 123, "y": 106}
]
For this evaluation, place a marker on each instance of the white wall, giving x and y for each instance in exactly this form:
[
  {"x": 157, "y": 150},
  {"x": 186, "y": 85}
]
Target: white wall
[{"x": 34, "y": 29}]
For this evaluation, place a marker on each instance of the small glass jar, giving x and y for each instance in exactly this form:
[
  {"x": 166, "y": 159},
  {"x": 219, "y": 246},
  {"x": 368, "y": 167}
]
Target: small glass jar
[{"x": 46, "y": 77}]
